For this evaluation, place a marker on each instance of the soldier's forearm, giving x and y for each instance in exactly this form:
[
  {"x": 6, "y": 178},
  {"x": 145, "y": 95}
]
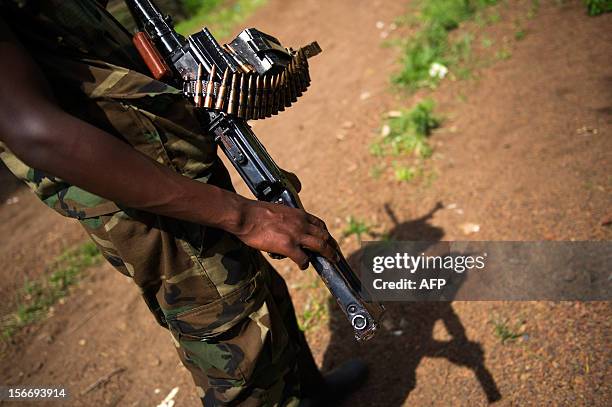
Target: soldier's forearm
[
  {"x": 96, "y": 161},
  {"x": 47, "y": 138}
]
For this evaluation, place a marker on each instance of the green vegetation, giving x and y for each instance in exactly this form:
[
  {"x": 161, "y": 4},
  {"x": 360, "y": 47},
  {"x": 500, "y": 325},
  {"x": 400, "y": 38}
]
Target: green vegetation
[
  {"x": 408, "y": 132},
  {"x": 220, "y": 16},
  {"x": 403, "y": 173},
  {"x": 36, "y": 297},
  {"x": 314, "y": 313},
  {"x": 431, "y": 44},
  {"x": 504, "y": 332},
  {"x": 356, "y": 227},
  {"x": 597, "y": 7}
]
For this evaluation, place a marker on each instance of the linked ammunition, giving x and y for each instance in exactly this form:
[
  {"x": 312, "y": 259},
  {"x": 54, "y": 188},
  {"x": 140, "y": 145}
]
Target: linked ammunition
[
  {"x": 232, "y": 105},
  {"x": 210, "y": 88},
  {"x": 244, "y": 89},
  {"x": 197, "y": 100},
  {"x": 222, "y": 90}
]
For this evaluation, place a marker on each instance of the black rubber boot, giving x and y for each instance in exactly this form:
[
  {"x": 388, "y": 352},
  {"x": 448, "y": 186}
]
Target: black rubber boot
[{"x": 339, "y": 384}]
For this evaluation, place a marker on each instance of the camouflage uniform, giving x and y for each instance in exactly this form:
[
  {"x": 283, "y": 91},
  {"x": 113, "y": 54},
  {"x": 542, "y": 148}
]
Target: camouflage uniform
[{"x": 228, "y": 311}]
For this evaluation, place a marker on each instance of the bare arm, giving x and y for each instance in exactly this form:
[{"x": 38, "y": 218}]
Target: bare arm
[{"x": 47, "y": 138}]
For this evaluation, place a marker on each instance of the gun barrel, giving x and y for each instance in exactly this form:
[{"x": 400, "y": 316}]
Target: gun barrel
[{"x": 150, "y": 19}]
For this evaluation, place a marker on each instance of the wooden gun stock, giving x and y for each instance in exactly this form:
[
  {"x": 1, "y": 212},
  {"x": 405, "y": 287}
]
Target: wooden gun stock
[{"x": 156, "y": 64}]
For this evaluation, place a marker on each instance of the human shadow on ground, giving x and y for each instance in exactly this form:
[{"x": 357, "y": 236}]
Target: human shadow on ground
[{"x": 394, "y": 354}]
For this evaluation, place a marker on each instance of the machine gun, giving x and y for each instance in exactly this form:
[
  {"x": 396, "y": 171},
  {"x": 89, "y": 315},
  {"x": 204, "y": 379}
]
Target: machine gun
[{"x": 252, "y": 77}]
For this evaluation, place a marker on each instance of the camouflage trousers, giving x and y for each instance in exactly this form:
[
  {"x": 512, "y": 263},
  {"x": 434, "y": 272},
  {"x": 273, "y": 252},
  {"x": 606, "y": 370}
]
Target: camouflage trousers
[{"x": 228, "y": 310}]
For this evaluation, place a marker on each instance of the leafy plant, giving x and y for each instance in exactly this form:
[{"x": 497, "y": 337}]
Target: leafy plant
[
  {"x": 404, "y": 174},
  {"x": 408, "y": 131},
  {"x": 504, "y": 332},
  {"x": 356, "y": 227},
  {"x": 431, "y": 43},
  {"x": 597, "y": 7}
]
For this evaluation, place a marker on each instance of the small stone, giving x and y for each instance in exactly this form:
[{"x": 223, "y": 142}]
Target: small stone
[
  {"x": 398, "y": 332},
  {"x": 365, "y": 95},
  {"x": 340, "y": 136},
  {"x": 380, "y": 25},
  {"x": 157, "y": 391},
  {"x": 348, "y": 124},
  {"x": 394, "y": 113},
  {"x": 385, "y": 130},
  {"x": 469, "y": 228},
  {"x": 82, "y": 342}
]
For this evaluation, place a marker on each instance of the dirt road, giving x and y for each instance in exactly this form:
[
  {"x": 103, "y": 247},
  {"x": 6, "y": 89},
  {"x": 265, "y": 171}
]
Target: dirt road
[{"x": 524, "y": 153}]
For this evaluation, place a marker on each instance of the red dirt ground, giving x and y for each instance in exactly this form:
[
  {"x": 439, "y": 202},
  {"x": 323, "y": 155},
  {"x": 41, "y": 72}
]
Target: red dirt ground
[{"x": 524, "y": 152}]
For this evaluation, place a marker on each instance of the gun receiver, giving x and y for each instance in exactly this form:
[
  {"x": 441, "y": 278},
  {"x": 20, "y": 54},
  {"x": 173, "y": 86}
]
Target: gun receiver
[{"x": 260, "y": 83}]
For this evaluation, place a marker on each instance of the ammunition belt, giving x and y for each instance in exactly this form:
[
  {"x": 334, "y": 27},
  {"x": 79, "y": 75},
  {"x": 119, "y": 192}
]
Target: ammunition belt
[{"x": 251, "y": 96}]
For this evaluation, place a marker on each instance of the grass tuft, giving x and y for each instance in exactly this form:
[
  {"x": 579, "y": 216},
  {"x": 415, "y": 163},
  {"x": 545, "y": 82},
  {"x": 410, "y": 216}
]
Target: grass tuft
[
  {"x": 220, "y": 16},
  {"x": 356, "y": 227},
  {"x": 408, "y": 132},
  {"x": 431, "y": 44},
  {"x": 36, "y": 297},
  {"x": 503, "y": 331},
  {"x": 597, "y": 7}
]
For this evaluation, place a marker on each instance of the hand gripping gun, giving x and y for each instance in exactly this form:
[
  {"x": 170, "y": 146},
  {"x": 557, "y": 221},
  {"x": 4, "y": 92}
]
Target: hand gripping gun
[{"x": 250, "y": 78}]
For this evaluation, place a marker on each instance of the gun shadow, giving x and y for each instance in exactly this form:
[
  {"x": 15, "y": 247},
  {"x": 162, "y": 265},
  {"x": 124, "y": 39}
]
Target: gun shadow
[{"x": 393, "y": 357}]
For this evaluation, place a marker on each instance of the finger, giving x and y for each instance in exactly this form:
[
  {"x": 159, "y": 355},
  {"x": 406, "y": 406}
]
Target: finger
[
  {"x": 321, "y": 246},
  {"x": 324, "y": 235},
  {"x": 315, "y": 221},
  {"x": 299, "y": 257}
]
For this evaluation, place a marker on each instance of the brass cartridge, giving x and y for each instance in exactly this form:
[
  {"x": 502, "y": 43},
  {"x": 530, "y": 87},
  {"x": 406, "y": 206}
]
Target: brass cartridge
[
  {"x": 286, "y": 92},
  {"x": 222, "y": 91},
  {"x": 291, "y": 82},
  {"x": 197, "y": 99},
  {"x": 302, "y": 69},
  {"x": 232, "y": 105},
  {"x": 250, "y": 97},
  {"x": 297, "y": 82},
  {"x": 242, "y": 100},
  {"x": 275, "y": 93},
  {"x": 210, "y": 88},
  {"x": 267, "y": 96},
  {"x": 258, "y": 97}
]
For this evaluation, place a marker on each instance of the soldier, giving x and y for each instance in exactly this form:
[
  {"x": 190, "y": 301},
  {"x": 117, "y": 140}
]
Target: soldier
[{"x": 99, "y": 140}]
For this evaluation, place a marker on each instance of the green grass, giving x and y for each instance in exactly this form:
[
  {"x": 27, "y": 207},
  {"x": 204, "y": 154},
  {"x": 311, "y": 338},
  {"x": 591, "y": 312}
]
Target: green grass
[
  {"x": 36, "y": 297},
  {"x": 409, "y": 131},
  {"x": 405, "y": 174},
  {"x": 597, "y": 7},
  {"x": 315, "y": 312},
  {"x": 220, "y": 16},
  {"x": 502, "y": 330},
  {"x": 431, "y": 43},
  {"x": 356, "y": 227}
]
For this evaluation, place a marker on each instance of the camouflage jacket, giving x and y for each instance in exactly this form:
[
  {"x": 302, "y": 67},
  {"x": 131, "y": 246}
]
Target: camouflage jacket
[{"x": 97, "y": 75}]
